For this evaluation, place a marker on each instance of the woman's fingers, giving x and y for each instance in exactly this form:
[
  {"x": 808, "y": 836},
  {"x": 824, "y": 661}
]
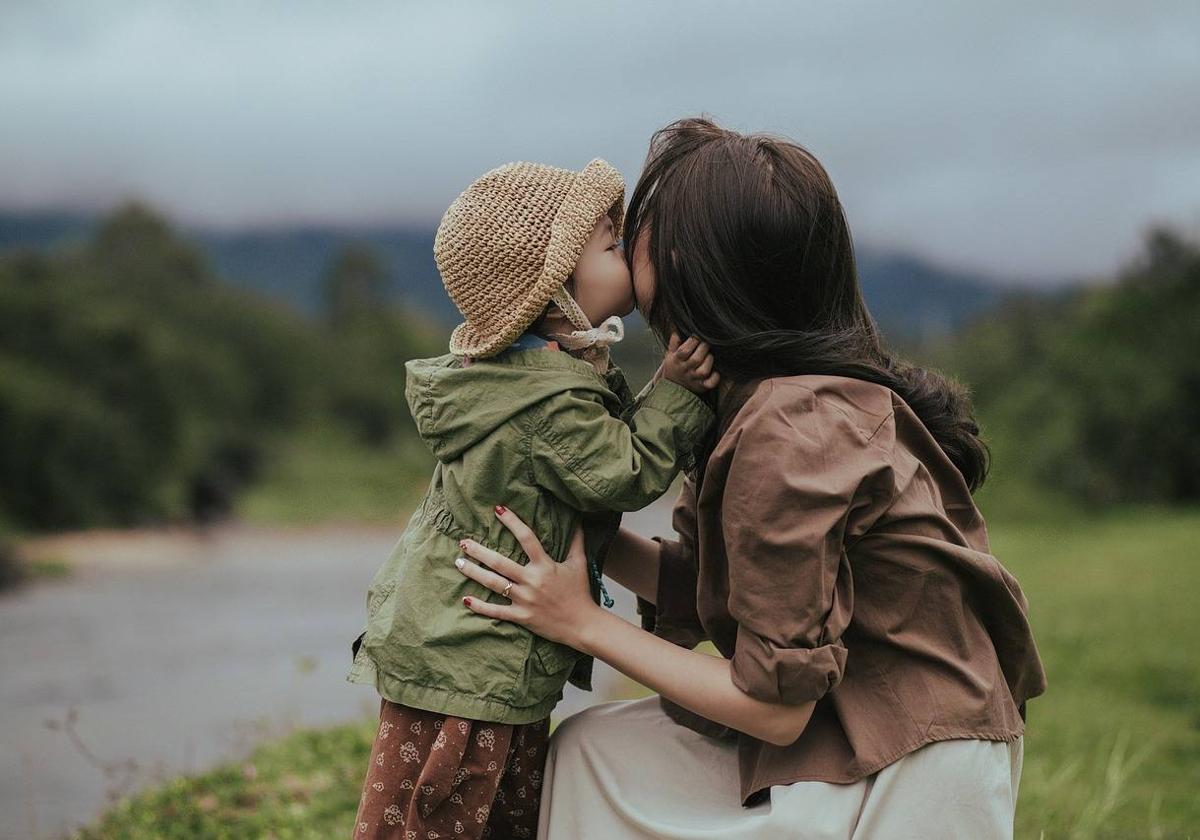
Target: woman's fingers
[
  {"x": 494, "y": 560},
  {"x": 705, "y": 367},
  {"x": 528, "y": 540},
  {"x": 713, "y": 381},
  {"x": 673, "y": 343},
  {"x": 504, "y": 612},
  {"x": 486, "y": 577}
]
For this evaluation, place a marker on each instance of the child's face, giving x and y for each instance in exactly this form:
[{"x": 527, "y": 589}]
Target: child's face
[{"x": 603, "y": 286}]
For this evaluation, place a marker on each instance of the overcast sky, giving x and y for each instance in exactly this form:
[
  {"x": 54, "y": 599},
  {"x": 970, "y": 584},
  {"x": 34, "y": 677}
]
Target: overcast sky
[{"x": 1026, "y": 139}]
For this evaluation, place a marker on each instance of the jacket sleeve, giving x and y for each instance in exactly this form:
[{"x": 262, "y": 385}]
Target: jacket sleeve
[
  {"x": 594, "y": 461},
  {"x": 673, "y": 615},
  {"x": 801, "y": 480}
]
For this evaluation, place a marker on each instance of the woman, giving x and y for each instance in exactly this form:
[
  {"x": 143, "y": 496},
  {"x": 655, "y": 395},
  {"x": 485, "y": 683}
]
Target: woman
[{"x": 876, "y": 657}]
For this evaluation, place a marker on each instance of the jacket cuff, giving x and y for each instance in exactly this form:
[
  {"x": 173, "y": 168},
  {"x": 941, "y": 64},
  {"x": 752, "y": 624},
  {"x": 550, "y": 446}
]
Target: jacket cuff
[
  {"x": 675, "y": 618},
  {"x": 691, "y": 416},
  {"x": 789, "y": 676},
  {"x": 581, "y": 673}
]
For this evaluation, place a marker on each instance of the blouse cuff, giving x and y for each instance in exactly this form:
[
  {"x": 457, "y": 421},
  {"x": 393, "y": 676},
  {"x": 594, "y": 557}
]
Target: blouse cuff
[
  {"x": 674, "y": 611},
  {"x": 788, "y": 676}
]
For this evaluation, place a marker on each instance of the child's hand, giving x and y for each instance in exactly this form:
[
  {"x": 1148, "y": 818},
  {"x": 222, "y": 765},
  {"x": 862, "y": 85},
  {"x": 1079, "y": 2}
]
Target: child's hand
[{"x": 689, "y": 364}]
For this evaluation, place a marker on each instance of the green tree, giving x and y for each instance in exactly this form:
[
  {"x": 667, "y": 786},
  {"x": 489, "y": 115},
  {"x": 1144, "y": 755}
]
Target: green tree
[
  {"x": 1097, "y": 393},
  {"x": 355, "y": 286}
]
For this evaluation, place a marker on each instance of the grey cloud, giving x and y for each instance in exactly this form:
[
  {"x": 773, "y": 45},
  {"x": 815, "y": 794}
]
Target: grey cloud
[{"x": 1026, "y": 140}]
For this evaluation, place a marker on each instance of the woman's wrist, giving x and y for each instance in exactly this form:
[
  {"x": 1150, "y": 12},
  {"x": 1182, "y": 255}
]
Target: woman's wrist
[
  {"x": 633, "y": 562},
  {"x": 589, "y": 630}
]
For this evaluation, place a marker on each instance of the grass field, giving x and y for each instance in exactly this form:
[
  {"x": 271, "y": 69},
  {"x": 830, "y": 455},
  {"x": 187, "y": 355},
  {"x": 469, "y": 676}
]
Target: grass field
[
  {"x": 1112, "y": 751},
  {"x": 1113, "y": 748},
  {"x": 321, "y": 475}
]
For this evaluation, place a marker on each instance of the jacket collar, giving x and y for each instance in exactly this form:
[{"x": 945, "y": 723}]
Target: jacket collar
[{"x": 543, "y": 359}]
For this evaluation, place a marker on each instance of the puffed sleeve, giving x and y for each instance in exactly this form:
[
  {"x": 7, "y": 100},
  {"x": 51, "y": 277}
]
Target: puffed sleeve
[
  {"x": 673, "y": 616},
  {"x": 802, "y": 479}
]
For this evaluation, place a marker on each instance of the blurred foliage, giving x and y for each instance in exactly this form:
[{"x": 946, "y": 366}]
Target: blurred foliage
[
  {"x": 374, "y": 340},
  {"x": 324, "y": 473},
  {"x": 355, "y": 286},
  {"x": 1095, "y": 394},
  {"x": 12, "y": 570},
  {"x": 135, "y": 387}
]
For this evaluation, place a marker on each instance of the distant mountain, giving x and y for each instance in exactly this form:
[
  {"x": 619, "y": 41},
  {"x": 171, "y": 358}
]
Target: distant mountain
[
  {"x": 910, "y": 298},
  {"x": 43, "y": 230},
  {"x": 289, "y": 264}
]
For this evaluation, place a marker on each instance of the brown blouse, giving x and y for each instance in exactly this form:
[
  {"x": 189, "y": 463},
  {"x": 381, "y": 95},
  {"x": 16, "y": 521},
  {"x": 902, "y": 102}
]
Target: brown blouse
[{"x": 832, "y": 552}]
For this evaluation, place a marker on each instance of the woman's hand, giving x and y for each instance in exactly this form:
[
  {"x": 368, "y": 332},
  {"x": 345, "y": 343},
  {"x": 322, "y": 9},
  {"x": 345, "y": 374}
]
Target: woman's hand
[
  {"x": 550, "y": 599},
  {"x": 554, "y": 601}
]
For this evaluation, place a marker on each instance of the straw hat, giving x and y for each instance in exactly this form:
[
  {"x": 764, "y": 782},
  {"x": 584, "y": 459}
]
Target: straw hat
[{"x": 508, "y": 244}]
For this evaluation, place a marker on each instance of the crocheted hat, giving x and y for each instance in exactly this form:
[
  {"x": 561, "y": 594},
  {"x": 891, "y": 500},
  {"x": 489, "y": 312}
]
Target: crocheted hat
[{"x": 508, "y": 243}]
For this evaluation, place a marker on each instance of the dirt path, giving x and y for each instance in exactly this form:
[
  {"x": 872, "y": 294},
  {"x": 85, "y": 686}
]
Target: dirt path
[{"x": 174, "y": 653}]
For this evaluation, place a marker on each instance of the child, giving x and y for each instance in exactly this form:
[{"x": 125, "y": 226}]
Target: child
[{"x": 530, "y": 254}]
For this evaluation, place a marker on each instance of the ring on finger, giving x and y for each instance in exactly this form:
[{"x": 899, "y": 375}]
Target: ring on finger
[{"x": 507, "y": 589}]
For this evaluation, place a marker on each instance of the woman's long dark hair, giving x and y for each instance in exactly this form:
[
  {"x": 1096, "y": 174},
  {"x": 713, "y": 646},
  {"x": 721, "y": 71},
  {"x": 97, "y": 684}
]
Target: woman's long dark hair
[{"x": 752, "y": 253}]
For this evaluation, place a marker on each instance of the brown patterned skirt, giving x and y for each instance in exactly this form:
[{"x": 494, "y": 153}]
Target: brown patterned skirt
[{"x": 433, "y": 776}]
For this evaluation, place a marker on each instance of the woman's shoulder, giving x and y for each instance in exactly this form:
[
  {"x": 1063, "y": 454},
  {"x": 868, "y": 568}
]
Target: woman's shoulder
[
  {"x": 813, "y": 403},
  {"x": 842, "y": 424},
  {"x": 806, "y": 442}
]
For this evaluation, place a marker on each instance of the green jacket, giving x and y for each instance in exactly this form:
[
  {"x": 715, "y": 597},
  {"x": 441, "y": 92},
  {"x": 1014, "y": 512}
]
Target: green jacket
[{"x": 541, "y": 432}]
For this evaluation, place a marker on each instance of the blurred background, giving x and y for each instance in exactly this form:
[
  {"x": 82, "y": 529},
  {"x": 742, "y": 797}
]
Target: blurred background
[{"x": 216, "y": 226}]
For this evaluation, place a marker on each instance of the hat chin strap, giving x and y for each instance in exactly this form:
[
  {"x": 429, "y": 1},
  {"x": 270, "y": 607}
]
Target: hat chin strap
[
  {"x": 595, "y": 341},
  {"x": 610, "y": 331}
]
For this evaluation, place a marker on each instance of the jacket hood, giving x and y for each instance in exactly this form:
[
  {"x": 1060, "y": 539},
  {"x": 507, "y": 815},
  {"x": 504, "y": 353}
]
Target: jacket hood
[{"x": 454, "y": 407}]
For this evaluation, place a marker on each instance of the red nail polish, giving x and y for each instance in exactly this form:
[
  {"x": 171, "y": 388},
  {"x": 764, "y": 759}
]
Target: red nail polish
[
  {"x": 501, "y": 510},
  {"x": 462, "y": 545},
  {"x": 467, "y": 601}
]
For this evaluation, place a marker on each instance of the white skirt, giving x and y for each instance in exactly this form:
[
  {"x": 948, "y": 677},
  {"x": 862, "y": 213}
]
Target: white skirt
[{"x": 626, "y": 770}]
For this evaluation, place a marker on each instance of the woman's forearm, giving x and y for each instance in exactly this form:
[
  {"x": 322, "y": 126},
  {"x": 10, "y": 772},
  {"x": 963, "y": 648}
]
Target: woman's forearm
[
  {"x": 553, "y": 600},
  {"x": 633, "y": 562},
  {"x": 696, "y": 681}
]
